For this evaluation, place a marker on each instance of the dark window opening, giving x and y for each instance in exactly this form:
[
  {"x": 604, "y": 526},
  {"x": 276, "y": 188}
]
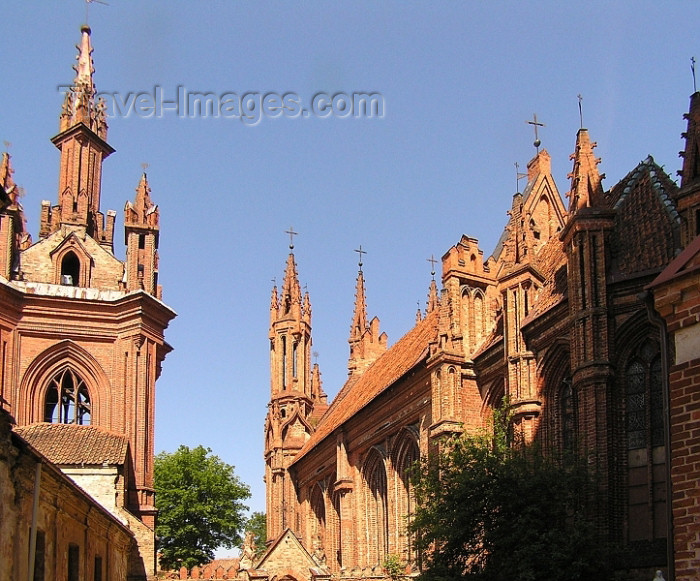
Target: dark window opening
[
  {"x": 98, "y": 568},
  {"x": 142, "y": 241},
  {"x": 70, "y": 270},
  {"x": 39, "y": 556},
  {"x": 67, "y": 400},
  {"x": 73, "y": 562}
]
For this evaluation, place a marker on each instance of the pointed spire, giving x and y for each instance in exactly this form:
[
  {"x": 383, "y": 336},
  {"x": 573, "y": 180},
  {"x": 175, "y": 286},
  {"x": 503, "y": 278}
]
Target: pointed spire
[
  {"x": 290, "y": 295},
  {"x": 142, "y": 212},
  {"x": 586, "y": 183},
  {"x": 79, "y": 104},
  {"x": 359, "y": 318},
  {"x": 691, "y": 155},
  {"x": 433, "y": 298}
]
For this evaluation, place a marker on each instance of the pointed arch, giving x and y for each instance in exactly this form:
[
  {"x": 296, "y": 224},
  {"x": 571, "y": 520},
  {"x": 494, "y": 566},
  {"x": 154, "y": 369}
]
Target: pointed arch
[
  {"x": 317, "y": 503},
  {"x": 405, "y": 454},
  {"x": 559, "y": 425},
  {"x": 71, "y": 258},
  {"x": 376, "y": 529},
  {"x": 39, "y": 379}
]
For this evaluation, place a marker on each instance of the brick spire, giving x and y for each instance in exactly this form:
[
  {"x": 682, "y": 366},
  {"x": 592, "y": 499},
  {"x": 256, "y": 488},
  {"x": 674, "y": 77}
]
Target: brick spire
[
  {"x": 366, "y": 344},
  {"x": 433, "y": 299},
  {"x": 13, "y": 234},
  {"x": 83, "y": 146},
  {"x": 691, "y": 155},
  {"x": 586, "y": 183},
  {"x": 141, "y": 233}
]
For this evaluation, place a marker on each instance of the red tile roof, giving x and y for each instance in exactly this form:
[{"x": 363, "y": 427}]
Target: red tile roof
[
  {"x": 71, "y": 444},
  {"x": 410, "y": 350}
]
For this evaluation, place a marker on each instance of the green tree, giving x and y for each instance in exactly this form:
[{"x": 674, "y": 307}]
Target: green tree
[
  {"x": 488, "y": 510},
  {"x": 199, "y": 502},
  {"x": 257, "y": 524}
]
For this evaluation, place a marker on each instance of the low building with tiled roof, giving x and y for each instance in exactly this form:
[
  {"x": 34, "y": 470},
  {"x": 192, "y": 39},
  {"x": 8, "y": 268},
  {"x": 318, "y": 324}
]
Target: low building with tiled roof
[{"x": 557, "y": 322}]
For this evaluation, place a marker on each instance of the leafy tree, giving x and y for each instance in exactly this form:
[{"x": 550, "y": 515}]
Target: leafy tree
[
  {"x": 257, "y": 524},
  {"x": 198, "y": 498},
  {"x": 488, "y": 510}
]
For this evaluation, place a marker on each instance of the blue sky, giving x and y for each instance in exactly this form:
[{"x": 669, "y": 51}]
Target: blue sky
[{"x": 458, "y": 80}]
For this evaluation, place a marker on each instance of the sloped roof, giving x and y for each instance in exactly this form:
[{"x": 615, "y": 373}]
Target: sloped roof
[
  {"x": 687, "y": 262},
  {"x": 647, "y": 223},
  {"x": 72, "y": 444},
  {"x": 393, "y": 364}
]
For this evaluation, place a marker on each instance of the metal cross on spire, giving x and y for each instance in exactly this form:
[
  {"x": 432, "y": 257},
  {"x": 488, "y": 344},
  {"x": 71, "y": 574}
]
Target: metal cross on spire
[
  {"x": 536, "y": 124},
  {"x": 432, "y": 262},
  {"x": 292, "y": 234},
  {"x": 692, "y": 69},
  {"x": 360, "y": 252},
  {"x": 580, "y": 109}
]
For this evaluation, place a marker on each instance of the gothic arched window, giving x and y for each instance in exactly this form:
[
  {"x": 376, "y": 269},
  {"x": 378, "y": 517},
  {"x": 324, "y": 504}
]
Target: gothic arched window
[
  {"x": 67, "y": 399},
  {"x": 377, "y": 529},
  {"x": 70, "y": 270},
  {"x": 644, "y": 423},
  {"x": 567, "y": 414},
  {"x": 406, "y": 457}
]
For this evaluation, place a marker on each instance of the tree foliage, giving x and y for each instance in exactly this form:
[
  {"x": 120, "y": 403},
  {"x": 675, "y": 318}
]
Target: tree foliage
[
  {"x": 199, "y": 502},
  {"x": 257, "y": 524},
  {"x": 488, "y": 510}
]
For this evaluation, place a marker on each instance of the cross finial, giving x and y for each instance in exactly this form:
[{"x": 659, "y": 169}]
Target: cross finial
[
  {"x": 580, "y": 109},
  {"x": 432, "y": 262},
  {"x": 7, "y": 145},
  {"x": 274, "y": 280},
  {"x": 536, "y": 124},
  {"x": 144, "y": 166},
  {"x": 292, "y": 234},
  {"x": 315, "y": 355},
  {"x": 360, "y": 252},
  {"x": 692, "y": 69}
]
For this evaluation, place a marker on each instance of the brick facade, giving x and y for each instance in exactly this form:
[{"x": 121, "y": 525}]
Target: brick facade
[
  {"x": 81, "y": 332},
  {"x": 560, "y": 320}
]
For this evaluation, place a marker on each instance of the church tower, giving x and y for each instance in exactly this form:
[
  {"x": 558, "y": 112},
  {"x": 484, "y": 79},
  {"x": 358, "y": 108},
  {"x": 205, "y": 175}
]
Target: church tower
[
  {"x": 295, "y": 394},
  {"x": 82, "y": 332}
]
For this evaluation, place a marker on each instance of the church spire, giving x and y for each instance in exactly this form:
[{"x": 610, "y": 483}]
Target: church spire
[
  {"x": 586, "y": 183},
  {"x": 687, "y": 200},
  {"x": 83, "y": 146},
  {"x": 366, "y": 344}
]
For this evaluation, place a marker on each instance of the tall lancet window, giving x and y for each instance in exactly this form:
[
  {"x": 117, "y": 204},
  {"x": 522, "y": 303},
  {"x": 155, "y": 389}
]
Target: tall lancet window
[
  {"x": 646, "y": 454},
  {"x": 376, "y": 510},
  {"x": 67, "y": 399}
]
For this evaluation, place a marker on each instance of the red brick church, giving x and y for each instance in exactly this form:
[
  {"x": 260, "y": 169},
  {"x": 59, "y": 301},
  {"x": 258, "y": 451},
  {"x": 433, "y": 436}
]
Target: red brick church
[
  {"x": 585, "y": 316},
  {"x": 81, "y": 346}
]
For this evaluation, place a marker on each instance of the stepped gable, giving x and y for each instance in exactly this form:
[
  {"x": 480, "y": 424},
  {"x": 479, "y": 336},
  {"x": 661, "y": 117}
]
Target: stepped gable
[
  {"x": 75, "y": 444},
  {"x": 410, "y": 350},
  {"x": 647, "y": 224}
]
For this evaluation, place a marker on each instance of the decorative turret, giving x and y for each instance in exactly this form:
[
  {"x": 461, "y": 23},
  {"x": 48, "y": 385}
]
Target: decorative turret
[
  {"x": 586, "y": 183},
  {"x": 141, "y": 232},
  {"x": 688, "y": 197},
  {"x": 295, "y": 393},
  {"x": 83, "y": 146},
  {"x": 13, "y": 234},
  {"x": 366, "y": 343}
]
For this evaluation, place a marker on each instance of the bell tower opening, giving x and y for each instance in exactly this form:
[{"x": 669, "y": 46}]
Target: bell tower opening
[{"x": 70, "y": 270}]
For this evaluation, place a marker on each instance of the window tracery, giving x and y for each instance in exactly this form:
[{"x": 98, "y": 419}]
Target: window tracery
[{"x": 67, "y": 399}]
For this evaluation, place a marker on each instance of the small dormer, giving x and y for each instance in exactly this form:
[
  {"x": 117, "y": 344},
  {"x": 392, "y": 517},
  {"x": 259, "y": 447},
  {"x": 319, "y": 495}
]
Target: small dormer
[{"x": 72, "y": 264}]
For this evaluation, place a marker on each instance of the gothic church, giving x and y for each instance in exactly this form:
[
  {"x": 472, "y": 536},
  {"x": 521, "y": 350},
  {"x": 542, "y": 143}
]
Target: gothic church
[
  {"x": 81, "y": 346},
  {"x": 584, "y": 316}
]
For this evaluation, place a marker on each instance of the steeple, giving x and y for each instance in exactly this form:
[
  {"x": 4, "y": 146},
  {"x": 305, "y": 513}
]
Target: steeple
[
  {"x": 295, "y": 392},
  {"x": 688, "y": 196},
  {"x": 83, "y": 146},
  {"x": 366, "y": 344},
  {"x": 141, "y": 234},
  {"x": 586, "y": 183}
]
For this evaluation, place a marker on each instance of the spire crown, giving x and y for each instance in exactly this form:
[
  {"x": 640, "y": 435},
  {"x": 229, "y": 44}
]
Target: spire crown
[
  {"x": 586, "y": 181},
  {"x": 79, "y": 105}
]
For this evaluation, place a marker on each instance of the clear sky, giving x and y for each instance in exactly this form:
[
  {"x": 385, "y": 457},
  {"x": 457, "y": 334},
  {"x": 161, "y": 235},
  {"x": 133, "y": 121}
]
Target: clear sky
[{"x": 458, "y": 81}]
